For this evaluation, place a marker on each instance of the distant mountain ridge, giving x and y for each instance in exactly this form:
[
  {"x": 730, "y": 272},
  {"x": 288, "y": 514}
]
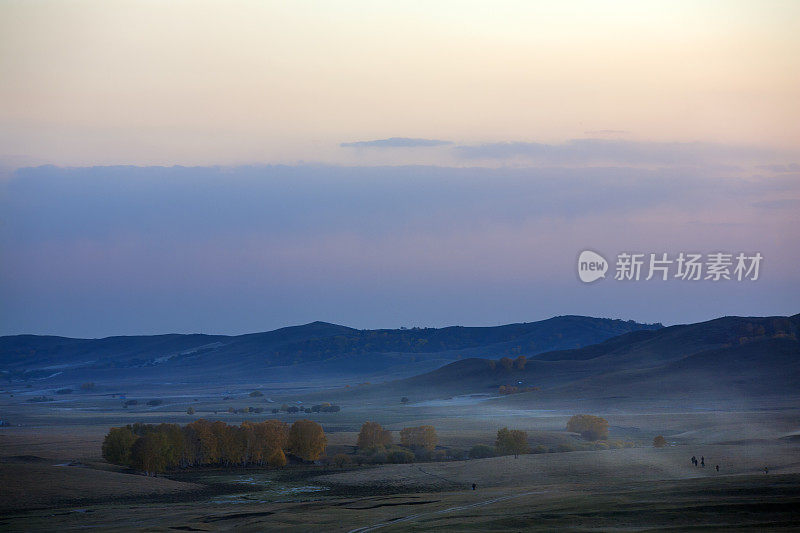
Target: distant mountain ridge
[
  {"x": 734, "y": 355},
  {"x": 312, "y": 349}
]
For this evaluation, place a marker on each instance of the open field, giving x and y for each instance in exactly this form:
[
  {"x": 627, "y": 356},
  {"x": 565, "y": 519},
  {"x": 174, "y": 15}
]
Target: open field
[{"x": 54, "y": 477}]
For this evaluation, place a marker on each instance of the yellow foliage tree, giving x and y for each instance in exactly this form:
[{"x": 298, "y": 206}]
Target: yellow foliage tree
[
  {"x": 277, "y": 458},
  {"x": 373, "y": 435},
  {"x": 307, "y": 440},
  {"x": 117, "y": 445},
  {"x": 511, "y": 441},
  {"x": 419, "y": 437}
]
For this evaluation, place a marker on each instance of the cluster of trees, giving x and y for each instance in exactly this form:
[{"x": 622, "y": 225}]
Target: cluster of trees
[
  {"x": 589, "y": 426},
  {"x": 513, "y": 389},
  {"x": 324, "y": 407},
  {"x": 659, "y": 441},
  {"x": 376, "y": 445},
  {"x": 153, "y": 448},
  {"x": 508, "y": 364},
  {"x": 152, "y": 403},
  {"x": 244, "y": 410},
  {"x": 766, "y": 328}
]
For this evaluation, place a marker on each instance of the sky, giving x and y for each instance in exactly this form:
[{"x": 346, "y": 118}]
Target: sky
[{"x": 229, "y": 167}]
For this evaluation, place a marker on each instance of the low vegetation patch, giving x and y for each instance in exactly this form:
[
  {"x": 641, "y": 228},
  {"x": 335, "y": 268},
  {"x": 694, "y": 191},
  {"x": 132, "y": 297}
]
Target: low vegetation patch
[{"x": 590, "y": 427}]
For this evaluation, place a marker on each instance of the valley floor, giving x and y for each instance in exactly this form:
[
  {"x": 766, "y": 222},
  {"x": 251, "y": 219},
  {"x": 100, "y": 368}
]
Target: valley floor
[{"x": 52, "y": 476}]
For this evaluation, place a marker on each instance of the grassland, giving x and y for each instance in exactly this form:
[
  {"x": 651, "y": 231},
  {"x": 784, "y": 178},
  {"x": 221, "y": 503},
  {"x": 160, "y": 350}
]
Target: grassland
[{"x": 54, "y": 478}]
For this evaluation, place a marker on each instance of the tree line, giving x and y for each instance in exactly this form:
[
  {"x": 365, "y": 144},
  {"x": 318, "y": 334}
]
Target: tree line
[{"x": 154, "y": 448}]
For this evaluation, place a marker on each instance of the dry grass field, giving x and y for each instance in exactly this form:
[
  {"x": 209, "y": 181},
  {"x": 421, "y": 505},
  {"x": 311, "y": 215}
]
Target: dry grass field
[{"x": 54, "y": 478}]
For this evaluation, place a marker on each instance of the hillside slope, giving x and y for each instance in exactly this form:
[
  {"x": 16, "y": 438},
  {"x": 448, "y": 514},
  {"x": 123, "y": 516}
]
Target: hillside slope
[
  {"x": 747, "y": 355},
  {"x": 312, "y": 351}
]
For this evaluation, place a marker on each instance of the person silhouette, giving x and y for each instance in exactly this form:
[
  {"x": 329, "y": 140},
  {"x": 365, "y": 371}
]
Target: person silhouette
[
  {"x": 474, "y": 486},
  {"x": 703, "y": 461},
  {"x": 694, "y": 460},
  {"x": 766, "y": 470},
  {"x": 717, "y": 467}
]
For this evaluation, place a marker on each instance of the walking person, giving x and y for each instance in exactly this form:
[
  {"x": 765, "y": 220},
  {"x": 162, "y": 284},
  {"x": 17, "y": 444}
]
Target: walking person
[{"x": 703, "y": 461}]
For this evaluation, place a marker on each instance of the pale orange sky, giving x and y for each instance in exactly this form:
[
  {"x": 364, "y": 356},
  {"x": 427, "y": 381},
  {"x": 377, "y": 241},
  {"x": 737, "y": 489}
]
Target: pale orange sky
[{"x": 204, "y": 82}]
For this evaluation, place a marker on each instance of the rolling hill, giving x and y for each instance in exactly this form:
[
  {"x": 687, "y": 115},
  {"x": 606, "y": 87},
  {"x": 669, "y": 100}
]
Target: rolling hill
[
  {"x": 315, "y": 351},
  {"x": 725, "y": 357}
]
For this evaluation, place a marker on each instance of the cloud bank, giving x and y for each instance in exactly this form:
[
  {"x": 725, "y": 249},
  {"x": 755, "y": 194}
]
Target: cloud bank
[
  {"x": 622, "y": 152},
  {"x": 396, "y": 142}
]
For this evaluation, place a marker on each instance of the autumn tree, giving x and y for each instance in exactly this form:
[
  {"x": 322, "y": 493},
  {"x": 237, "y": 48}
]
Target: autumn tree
[
  {"x": 148, "y": 453},
  {"x": 172, "y": 445},
  {"x": 659, "y": 441},
  {"x": 207, "y": 447},
  {"x": 373, "y": 435},
  {"x": 306, "y": 440},
  {"x": 520, "y": 362},
  {"x": 506, "y": 363},
  {"x": 589, "y": 426},
  {"x": 263, "y": 438},
  {"x": 419, "y": 437},
  {"x": 229, "y": 445},
  {"x": 277, "y": 458},
  {"x": 117, "y": 446},
  {"x": 511, "y": 441}
]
